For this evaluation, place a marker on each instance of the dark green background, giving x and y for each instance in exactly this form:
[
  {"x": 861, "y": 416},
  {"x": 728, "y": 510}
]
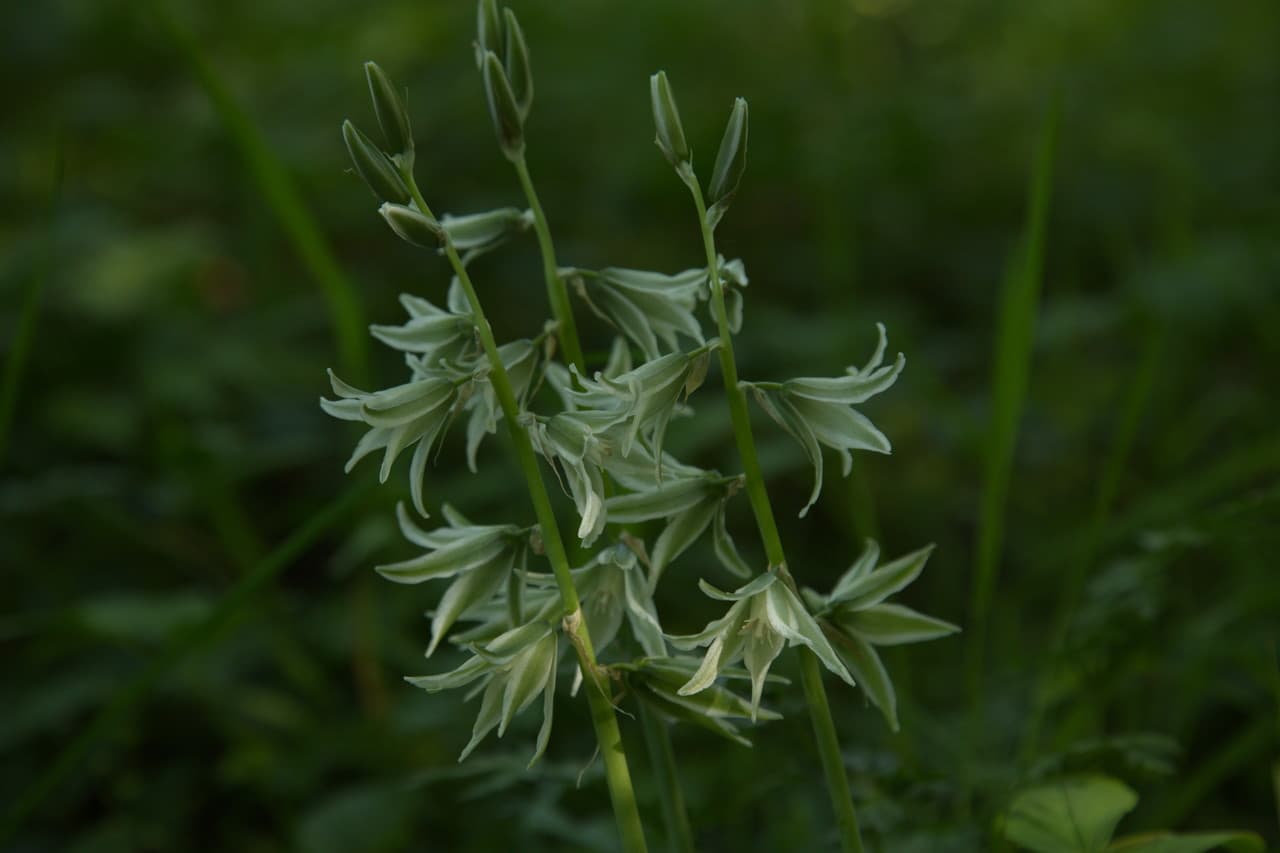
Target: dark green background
[{"x": 164, "y": 439}]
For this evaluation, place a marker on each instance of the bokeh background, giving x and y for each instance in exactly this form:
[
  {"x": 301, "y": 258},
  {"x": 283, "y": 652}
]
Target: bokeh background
[{"x": 197, "y": 654}]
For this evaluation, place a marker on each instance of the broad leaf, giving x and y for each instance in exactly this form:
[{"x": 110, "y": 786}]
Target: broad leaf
[
  {"x": 1195, "y": 842},
  {"x": 1068, "y": 816}
]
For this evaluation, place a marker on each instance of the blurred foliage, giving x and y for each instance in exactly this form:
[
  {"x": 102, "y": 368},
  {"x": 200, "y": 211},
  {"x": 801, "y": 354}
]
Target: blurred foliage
[{"x": 165, "y": 437}]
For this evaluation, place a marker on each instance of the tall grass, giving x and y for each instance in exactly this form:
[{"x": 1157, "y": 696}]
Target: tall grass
[
  {"x": 24, "y": 336},
  {"x": 1015, "y": 335},
  {"x": 346, "y": 313},
  {"x": 74, "y": 755}
]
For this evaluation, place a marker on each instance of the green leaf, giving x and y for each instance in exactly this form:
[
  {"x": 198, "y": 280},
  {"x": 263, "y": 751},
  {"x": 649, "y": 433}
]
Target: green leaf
[
  {"x": 529, "y": 674},
  {"x": 867, "y": 669},
  {"x": 874, "y": 587},
  {"x": 374, "y": 167},
  {"x": 1195, "y": 842},
  {"x": 473, "y": 587},
  {"x": 393, "y": 114},
  {"x": 788, "y": 616},
  {"x": 726, "y": 550},
  {"x": 1068, "y": 816},
  {"x": 681, "y": 532},
  {"x": 893, "y": 625},
  {"x": 503, "y": 110},
  {"x": 516, "y": 62},
  {"x": 666, "y": 119}
]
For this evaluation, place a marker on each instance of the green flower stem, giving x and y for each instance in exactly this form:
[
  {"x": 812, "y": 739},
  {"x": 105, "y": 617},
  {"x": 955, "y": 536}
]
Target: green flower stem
[
  {"x": 657, "y": 735},
  {"x": 618, "y": 776},
  {"x": 663, "y": 759},
  {"x": 557, "y": 293},
  {"x": 824, "y": 730},
  {"x": 824, "y": 727}
]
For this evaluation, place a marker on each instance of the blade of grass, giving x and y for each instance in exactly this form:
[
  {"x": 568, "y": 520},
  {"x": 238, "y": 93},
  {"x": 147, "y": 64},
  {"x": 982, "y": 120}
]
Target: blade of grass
[
  {"x": 345, "y": 311},
  {"x": 178, "y": 649},
  {"x": 1191, "y": 788},
  {"x": 1181, "y": 495},
  {"x": 24, "y": 337},
  {"x": 1113, "y": 468},
  {"x": 1019, "y": 306}
]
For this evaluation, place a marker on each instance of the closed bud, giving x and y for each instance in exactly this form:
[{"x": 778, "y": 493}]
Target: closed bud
[
  {"x": 731, "y": 162},
  {"x": 481, "y": 230},
  {"x": 412, "y": 226},
  {"x": 393, "y": 115},
  {"x": 666, "y": 118},
  {"x": 377, "y": 170},
  {"x": 502, "y": 108},
  {"x": 519, "y": 72},
  {"x": 489, "y": 35}
]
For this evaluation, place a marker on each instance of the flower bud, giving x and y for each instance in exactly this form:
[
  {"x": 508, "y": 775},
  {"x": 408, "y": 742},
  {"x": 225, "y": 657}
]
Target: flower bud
[
  {"x": 377, "y": 170},
  {"x": 731, "y": 162},
  {"x": 502, "y": 108},
  {"x": 516, "y": 59},
  {"x": 666, "y": 118},
  {"x": 489, "y": 35},
  {"x": 481, "y": 230},
  {"x": 393, "y": 115},
  {"x": 412, "y": 225}
]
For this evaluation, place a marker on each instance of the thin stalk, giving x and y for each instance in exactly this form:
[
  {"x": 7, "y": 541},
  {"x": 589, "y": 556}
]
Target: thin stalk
[
  {"x": 1011, "y": 372},
  {"x": 281, "y": 195},
  {"x": 655, "y": 731},
  {"x": 670, "y": 795},
  {"x": 25, "y": 334},
  {"x": 1117, "y": 461},
  {"x": 557, "y": 293},
  {"x": 618, "y": 776},
  {"x": 824, "y": 727}
]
